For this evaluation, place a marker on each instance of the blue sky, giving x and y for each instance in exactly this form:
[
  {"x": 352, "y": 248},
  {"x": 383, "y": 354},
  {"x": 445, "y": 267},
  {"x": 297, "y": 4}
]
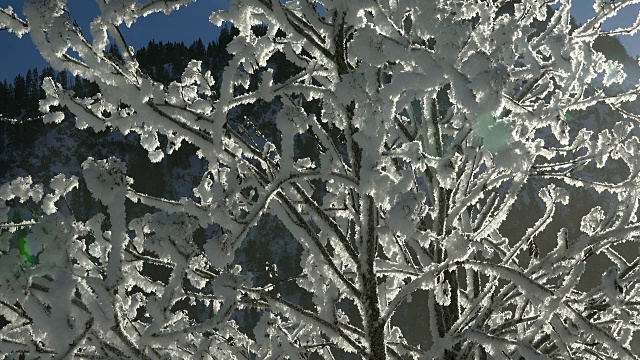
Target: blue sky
[
  {"x": 583, "y": 9},
  {"x": 19, "y": 55}
]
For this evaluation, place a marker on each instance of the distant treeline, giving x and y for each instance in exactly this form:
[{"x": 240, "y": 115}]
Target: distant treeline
[
  {"x": 162, "y": 61},
  {"x": 19, "y": 99},
  {"x": 165, "y": 62}
]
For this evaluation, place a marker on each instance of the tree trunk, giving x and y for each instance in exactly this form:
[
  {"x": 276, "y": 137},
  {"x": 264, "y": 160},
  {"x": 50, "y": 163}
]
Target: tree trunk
[{"x": 373, "y": 324}]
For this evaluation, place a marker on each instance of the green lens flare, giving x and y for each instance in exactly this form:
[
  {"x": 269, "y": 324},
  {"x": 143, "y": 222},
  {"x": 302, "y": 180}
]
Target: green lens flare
[
  {"x": 494, "y": 133},
  {"x": 25, "y": 250},
  {"x": 570, "y": 116}
]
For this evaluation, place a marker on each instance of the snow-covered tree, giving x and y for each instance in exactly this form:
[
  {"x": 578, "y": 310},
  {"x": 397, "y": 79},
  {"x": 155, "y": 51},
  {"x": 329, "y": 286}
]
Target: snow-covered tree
[{"x": 422, "y": 122}]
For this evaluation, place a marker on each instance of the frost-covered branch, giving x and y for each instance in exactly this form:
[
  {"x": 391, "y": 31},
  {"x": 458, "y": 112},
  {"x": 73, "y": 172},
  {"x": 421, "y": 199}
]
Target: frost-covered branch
[{"x": 394, "y": 143}]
